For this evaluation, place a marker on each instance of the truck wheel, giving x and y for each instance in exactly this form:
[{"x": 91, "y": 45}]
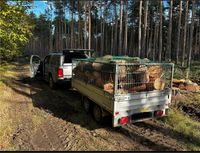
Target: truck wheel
[
  {"x": 97, "y": 114},
  {"x": 86, "y": 104},
  {"x": 51, "y": 82}
]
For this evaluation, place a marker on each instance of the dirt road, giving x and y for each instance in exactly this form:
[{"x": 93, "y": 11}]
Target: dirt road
[{"x": 43, "y": 119}]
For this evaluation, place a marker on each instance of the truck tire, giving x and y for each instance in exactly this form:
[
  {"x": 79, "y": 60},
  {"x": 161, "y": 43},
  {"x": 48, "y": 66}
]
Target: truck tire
[
  {"x": 86, "y": 104},
  {"x": 51, "y": 82},
  {"x": 97, "y": 114}
]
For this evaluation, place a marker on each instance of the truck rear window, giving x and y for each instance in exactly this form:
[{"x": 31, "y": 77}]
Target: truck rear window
[{"x": 70, "y": 56}]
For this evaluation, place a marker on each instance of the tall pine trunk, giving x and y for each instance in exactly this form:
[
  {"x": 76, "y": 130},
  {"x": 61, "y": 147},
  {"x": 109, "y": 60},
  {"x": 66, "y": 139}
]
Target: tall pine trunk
[
  {"x": 184, "y": 36},
  {"x": 120, "y": 28},
  {"x": 169, "y": 37},
  {"x": 72, "y": 25},
  {"x": 191, "y": 34},
  {"x": 116, "y": 30},
  {"x": 89, "y": 25},
  {"x": 126, "y": 27},
  {"x": 145, "y": 27},
  {"x": 139, "y": 28},
  {"x": 85, "y": 24},
  {"x": 179, "y": 31},
  {"x": 160, "y": 31}
]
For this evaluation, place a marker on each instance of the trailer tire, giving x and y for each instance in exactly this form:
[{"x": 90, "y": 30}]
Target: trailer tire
[
  {"x": 86, "y": 104},
  {"x": 51, "y": 82},
  {"x": 97, "y": 114}
]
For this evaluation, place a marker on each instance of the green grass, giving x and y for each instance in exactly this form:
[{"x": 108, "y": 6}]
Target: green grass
[
  {"x": 5, "y": 67},
  {"x": 186, "y": 129}
]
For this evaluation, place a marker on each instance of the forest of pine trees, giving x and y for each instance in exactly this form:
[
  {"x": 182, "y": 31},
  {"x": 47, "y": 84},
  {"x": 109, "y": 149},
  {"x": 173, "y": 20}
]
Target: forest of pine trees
[{"x": 154, "y": 29}]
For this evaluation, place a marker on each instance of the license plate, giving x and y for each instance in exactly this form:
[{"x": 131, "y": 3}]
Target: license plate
[{"x": 144, "y": 109}]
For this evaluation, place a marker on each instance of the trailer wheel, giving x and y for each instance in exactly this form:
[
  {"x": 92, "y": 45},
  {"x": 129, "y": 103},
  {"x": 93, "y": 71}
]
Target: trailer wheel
[
  {"x": 86, "y": 104},
  {"x": 51, "y": 82},
  {"x": 97, "y": 114}
]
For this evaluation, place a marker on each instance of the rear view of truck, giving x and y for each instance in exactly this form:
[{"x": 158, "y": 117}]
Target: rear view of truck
[{"x": 128, "y": 89}]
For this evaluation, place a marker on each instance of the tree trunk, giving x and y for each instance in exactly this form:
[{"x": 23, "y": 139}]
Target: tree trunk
[
  {"x": 85, "y": 24},
  {"x": 72, "y": 25},
  {"x": 139, "y": 28},
  {"x": 154, "y": 41},
  {"x": 178, "y": 35},
  {"x": 116, "y": 29},
  {"x": 120, "y": 28},
  {"x": 102, "y": 30},
  {"x": 191, "y": 34},
  {"x": 112, "y": 31},
  {"x": 150, "y": 40},
  {"x": 126, "y": 28},
  {"x": 160, "y": 34},
  {"x": 185, "y": 33},
  {"x": 169, "y": 37},
  {"x": 50, "y": 37},
  {"x": 79, "y": 24},
  {"x": 145, "y": 27},
  {"x": 96, "y": 43},
  {"x": 89, "y": 16}
]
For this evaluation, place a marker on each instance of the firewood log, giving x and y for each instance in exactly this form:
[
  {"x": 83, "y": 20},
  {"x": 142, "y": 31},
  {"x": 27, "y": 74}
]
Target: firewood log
[
  {"x": 154, "y": 72},
  {"x": 181, "y": 86},
  {"x": 138, "y": 88},
  {"x": 192, "y": 87},
  {"x": 159, "y": 84},
  {"x": 96, "y": 74},
  {"x": 99, "y": 83},
  {"x": 122, "y": 71},
  {"x": 121, "y": 91},
  {"x": 87, "y": 66},
  {"x": 108, "y": 87},
  {"x": 150, "y": 86},
  {"x": 96, "y": 66}
]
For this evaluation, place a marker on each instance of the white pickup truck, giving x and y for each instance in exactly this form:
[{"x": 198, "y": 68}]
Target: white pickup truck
[{"x": 56, "y": 67}]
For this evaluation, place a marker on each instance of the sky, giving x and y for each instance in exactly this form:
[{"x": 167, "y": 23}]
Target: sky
[{"x": 38, "y": 7}]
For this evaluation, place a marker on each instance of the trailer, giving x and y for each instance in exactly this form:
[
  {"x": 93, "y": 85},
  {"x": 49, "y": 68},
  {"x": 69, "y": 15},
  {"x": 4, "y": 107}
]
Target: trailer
[{"x": 128, "y": 91}]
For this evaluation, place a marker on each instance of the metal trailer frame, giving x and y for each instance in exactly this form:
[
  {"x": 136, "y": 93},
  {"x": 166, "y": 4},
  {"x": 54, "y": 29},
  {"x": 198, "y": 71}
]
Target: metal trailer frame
[{"x": 138, "y": 106}]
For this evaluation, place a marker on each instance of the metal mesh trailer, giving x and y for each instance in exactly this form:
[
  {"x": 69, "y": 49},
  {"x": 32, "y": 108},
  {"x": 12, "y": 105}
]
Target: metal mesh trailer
[{"x": 130, "y": 92}]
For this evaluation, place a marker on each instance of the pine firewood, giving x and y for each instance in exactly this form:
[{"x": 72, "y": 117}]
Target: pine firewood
[
  {"x": 122, "y": 71},
  {"x": 96, "y": 75},
  {"x": 138, "y": 88},
  {"x": 159, "y": 84},
  {"x": 150, "y": 86},
  {"x": 99, "y": 83},
  {"x": 192, "y": 87},
  {"x": 121, "y": 91},
  {"x": 87, "y": 66},
  {"x": 154, "y": 72},
  {"x": 108, "y": 87},
  {"x": 181, "y": 86},
  {"x": 178, "y": 81},
  {"x": 96, "y": 66}
]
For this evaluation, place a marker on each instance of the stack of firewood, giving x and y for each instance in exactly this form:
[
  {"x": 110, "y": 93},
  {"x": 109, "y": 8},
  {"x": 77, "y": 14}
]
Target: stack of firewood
[
  {"x": 134, "y": 78},
  {"x": 187, "y": 85}
]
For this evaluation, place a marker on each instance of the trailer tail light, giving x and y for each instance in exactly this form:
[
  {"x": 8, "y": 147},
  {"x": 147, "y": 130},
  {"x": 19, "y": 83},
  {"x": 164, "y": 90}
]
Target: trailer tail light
[
  {"x": 158, "y": 113},
  {"x": 60, "y": 72},
  {"x": 116, "y": 113},
  {"x": 124, "y": 120}
]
